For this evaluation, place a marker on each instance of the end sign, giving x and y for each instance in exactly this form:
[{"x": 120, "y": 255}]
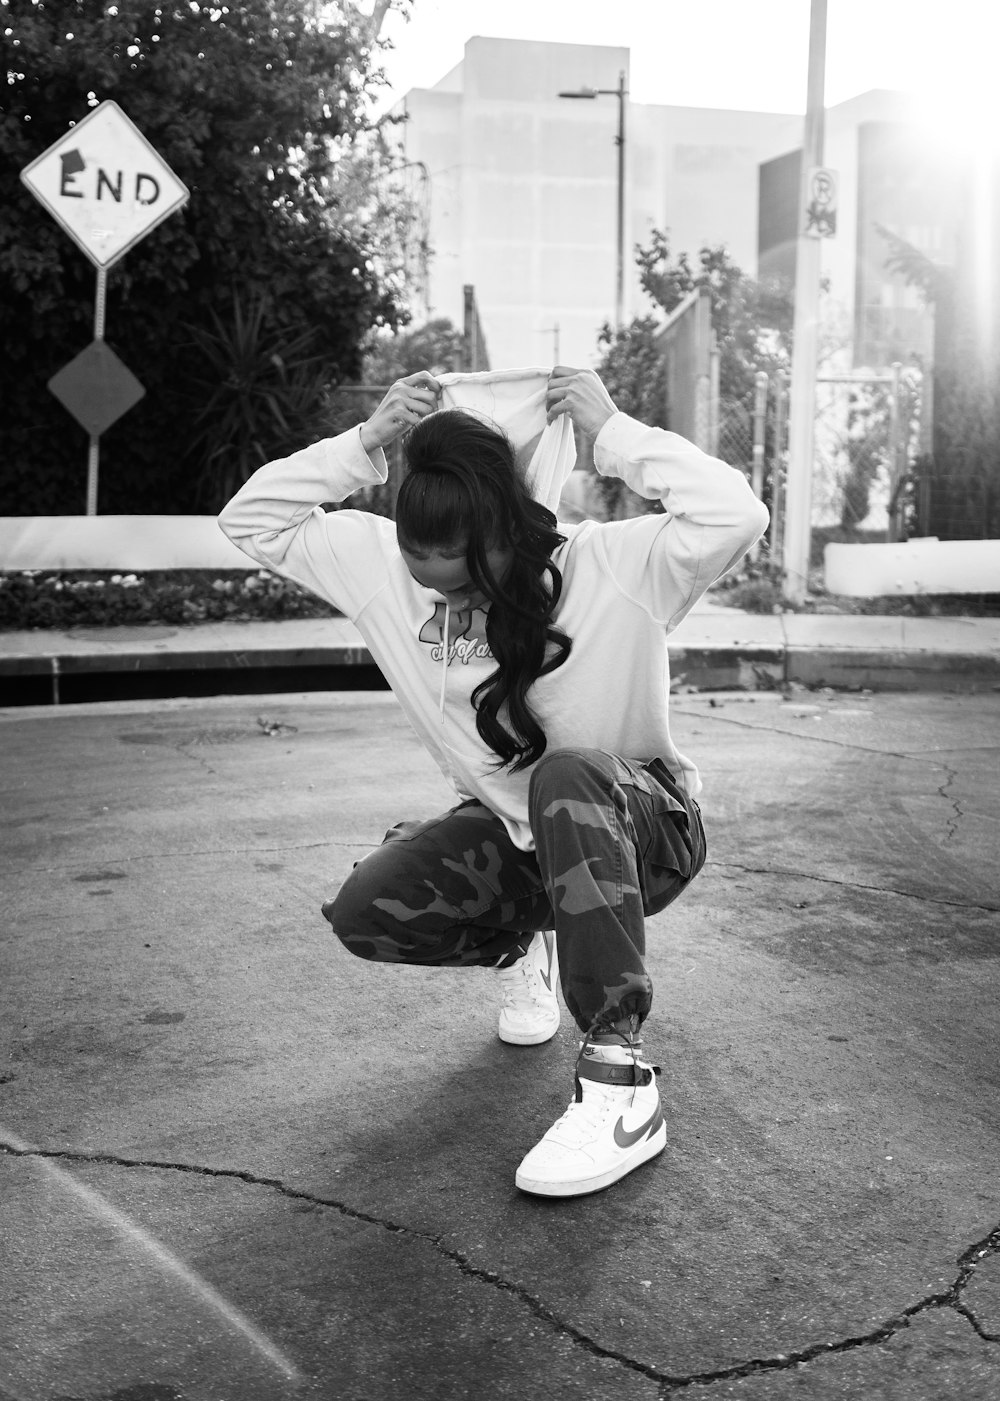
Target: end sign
[{"x": 105, "y": 184}]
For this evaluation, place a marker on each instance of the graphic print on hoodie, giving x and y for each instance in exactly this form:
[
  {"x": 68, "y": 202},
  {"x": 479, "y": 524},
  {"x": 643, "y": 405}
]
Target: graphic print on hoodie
[{"x": 466, "y": 633}]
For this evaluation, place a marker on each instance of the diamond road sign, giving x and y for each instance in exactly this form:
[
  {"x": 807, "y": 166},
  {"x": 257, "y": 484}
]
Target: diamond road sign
[
  {"x": 105, "y": 184},
  {"x": 96, "y": 388}
]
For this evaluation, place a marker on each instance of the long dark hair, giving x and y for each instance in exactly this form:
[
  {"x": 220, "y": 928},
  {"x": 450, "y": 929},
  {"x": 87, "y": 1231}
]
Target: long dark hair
[{"x": 463, "y": 485}]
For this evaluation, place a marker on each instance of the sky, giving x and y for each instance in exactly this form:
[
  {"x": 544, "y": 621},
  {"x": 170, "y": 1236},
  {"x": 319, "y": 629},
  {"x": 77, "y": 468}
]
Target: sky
[{"x": 743, "y": 54}]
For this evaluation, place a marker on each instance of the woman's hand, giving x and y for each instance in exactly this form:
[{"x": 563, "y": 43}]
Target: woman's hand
[
  {"x": 406, "y": 403},
  {"x": 581, "y": 394}
]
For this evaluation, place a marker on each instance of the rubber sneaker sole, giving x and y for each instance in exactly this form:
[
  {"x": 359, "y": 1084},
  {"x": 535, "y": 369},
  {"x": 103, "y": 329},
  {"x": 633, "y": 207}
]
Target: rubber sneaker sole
[
  {"x": 643, "y": 1153},
  {"x": 545, "y": 1032}
]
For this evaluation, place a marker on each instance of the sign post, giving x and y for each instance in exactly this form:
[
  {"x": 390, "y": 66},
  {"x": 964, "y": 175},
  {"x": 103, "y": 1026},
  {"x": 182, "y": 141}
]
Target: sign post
[{"x": 106, "y": 186}]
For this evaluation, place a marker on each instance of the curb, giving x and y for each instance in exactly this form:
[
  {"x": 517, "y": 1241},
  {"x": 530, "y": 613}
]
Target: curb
[
  {"x": 123, "y": 660},
  {"x": 123, "y": 672},
  {"x": 850, "y": 669},
  {"x": 67, "y": 678},
  {"x": 839, "y": 668}
]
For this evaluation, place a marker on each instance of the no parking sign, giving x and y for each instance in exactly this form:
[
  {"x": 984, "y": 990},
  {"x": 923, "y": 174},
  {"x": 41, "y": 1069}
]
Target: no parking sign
[{"x": 821, "y": 210}]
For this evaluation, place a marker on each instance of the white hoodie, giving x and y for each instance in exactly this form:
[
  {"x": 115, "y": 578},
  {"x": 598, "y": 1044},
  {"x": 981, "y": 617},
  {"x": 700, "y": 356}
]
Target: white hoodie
[{"x": 626, "y": 584}]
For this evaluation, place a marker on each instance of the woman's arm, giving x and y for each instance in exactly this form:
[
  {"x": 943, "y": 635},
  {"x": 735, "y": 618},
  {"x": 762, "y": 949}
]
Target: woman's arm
[
  {"x": 406, "y": 403},
  {"x": 276, "y": 516},
  {"x": 711, "y": 516}
]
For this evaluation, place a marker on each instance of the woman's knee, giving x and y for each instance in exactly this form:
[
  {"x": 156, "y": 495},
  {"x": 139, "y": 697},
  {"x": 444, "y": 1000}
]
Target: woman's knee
[
  {"x": 350, "y": 915},
  {"x": 559, "y": 769}
]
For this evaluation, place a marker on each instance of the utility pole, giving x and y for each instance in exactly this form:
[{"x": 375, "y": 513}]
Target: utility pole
[{"x": 802, "y": 398}]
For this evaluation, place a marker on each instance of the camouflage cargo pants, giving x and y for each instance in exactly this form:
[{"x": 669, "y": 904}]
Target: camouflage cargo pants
[{"x": 615, "y": 840}]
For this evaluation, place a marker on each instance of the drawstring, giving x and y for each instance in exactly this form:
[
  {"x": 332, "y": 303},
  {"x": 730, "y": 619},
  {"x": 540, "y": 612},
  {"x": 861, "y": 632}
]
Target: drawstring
[{"x": 445, "y": 644}]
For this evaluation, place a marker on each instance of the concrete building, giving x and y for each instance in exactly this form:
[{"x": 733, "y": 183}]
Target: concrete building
[
  {"x": 523, "y": 195},
  {"x": 893, "y": 177},
  {"x": 523, "y": 190}
]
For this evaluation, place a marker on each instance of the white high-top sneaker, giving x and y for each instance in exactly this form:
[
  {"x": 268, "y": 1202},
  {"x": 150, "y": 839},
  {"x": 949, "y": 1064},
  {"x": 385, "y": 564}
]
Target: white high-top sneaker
[
  {"x": 613, "y": 1125},
  {"x": 530, "y": 1011}
]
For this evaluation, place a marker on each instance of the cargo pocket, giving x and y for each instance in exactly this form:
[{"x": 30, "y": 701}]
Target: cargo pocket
[{"x": 675, "y": 852}]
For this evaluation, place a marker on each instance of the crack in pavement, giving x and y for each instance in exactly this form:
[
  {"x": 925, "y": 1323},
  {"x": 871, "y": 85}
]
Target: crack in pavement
[
  {"x": 183, "y": 855},
  {"x": 951, "y": 1297},
  {"x": 920, "y": 756},
  {"x": 853, "y": 885},
  {"x": 702, "y": 714},
  {"x": 951, "y": 828},
  {"x": 187, "y": 746},
  {"x": 184, "y": 750}
]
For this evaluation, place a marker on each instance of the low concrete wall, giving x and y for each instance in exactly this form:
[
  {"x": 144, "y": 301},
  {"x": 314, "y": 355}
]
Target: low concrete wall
[
  {"x": 913, "y": 567},
  {"x": 126, "y": 544}
]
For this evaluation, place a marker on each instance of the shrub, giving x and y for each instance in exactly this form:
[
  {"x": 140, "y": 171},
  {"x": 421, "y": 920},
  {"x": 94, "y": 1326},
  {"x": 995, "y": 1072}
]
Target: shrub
[{"x": 83, "y": 598}]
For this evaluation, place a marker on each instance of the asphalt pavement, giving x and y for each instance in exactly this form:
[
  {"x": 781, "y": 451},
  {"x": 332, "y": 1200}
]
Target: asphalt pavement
[{"x": 237, "y": 1164}]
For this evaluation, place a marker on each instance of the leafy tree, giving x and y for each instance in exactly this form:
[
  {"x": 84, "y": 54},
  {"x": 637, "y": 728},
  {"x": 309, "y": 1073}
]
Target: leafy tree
[
  {"x": 752, "y": 320},
  {"x": 865, "y": 443},
  {"x": 631, "y": 369},
  {"x": 256, "y": 391},
  {"x": 934, "y": 281},
  {"x": 384, "y": 203},
  {"x": 964, "y": 469},
  {"x": 245, "y": 102},
  {"x": 752, "y": 323},
  {"x": 436, "y": 346}
]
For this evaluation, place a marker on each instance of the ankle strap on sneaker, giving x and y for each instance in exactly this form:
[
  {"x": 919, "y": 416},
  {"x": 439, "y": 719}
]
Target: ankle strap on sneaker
[{"x": 607, "y": 1074}]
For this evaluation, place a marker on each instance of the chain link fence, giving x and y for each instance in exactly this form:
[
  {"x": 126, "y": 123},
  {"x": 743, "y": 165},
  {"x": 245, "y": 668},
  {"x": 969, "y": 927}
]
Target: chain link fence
[
  {"x": 872, "y": 480},
  {"x": 736, "y": 434},
  {"x": 957, "y": 475},
  {"x": 866, "y": 482}
]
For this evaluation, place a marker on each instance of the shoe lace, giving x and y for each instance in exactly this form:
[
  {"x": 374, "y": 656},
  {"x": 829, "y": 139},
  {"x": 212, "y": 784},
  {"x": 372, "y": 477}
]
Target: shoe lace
[
  {"x": 520, "y": 985},
  {"x": 583, "y": 1118}
]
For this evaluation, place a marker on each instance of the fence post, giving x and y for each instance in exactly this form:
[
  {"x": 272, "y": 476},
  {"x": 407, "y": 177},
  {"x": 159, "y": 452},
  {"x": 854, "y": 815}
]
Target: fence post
[
  {"x": 925, "y": 452},
  {"x": 757, "y": 457},
  {"x": 896, "y": 464},
  {"x": 778, "y": 470},
  {"x": 714, "y": 371},
  {"x": 474, "y": 353},
  {"x": 925, "y": 481}
]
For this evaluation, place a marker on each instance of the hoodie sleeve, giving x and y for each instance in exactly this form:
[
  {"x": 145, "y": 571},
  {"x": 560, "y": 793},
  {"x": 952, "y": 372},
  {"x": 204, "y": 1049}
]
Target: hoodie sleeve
[
  {"x": 711, "y": 517},
  {"x": 277, "y": 519}
]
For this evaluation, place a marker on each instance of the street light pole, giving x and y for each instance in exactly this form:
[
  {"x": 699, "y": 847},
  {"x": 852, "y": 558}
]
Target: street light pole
[
  {"x": 805, "y": 338},
  {"x": 621, "y": 92},
  {"x": 620, "y": 254}
]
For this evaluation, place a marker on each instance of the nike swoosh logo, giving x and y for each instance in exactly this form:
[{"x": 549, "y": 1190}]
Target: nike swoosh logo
[
  {"x": 550, "y": 944},
  {"x": 625, "y": 1138}
]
